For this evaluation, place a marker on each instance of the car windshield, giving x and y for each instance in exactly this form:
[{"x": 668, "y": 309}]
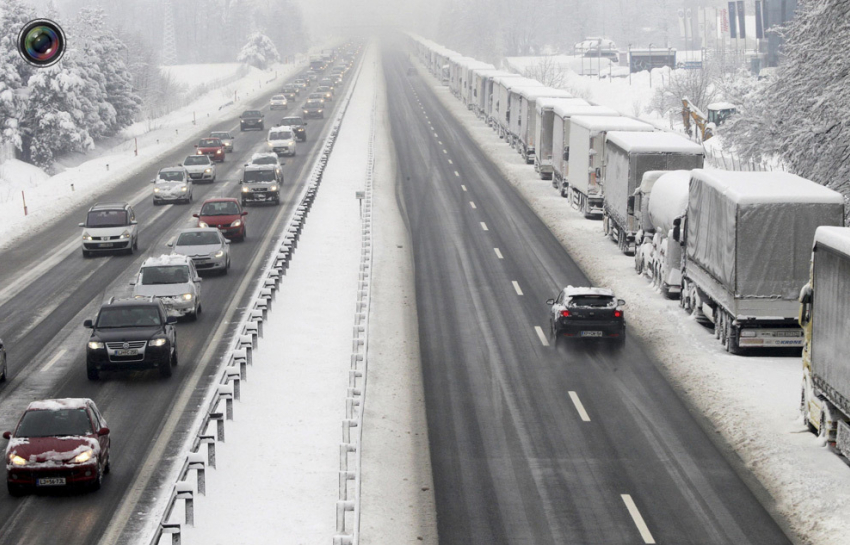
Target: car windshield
[
  {"x": 221, "y": 208},
  {"x": 265, "y": 160},
  {"x": 280, "y": 135},
  {"x": 171, "y": 175},
  {"x": 198, "y": 238},
  {"x": 314, "y": 103},
  {"x": 221, "y": 135},
  {"x": 209, "y": 142},
  {"x": 289, "y": 121},
  {"x": 251, "y": 113},
  {"x": 197, "y": 160},
  {"x": 265, "y": 175},
  {"x": 106, "y": 218},
  {"x": 164, "y": 274},
  {"x": 141, "y": 316},
  {"x": 278, "y": 97},
  {"x": 42, "y": 423},
  {"x": 596, "y": 301},
  {"x": 316, "y": 96}
]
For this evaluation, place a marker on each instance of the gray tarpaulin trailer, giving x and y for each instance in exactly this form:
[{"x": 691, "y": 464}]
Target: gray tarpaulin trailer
[
  {"x": 748, "y": 240},
  {"x": 627, "y": 156}
]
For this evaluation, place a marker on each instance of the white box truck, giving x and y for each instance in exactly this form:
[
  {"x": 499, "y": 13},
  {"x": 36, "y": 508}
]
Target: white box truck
[
  {"x": 560, "y": 165},
  {"x": 748, "y": 237},
  {"x": 543, "y": 134},
  {"x": 503, "y": 104},
  {"x": 482, "y": 85},
  {"x": 524, "y": 125},
  {"x": 628, "y": 155},
  {"x": 586, "y": 157},
  {"x": 467, "y": 80},
  {"x": 824, "y": 316}
]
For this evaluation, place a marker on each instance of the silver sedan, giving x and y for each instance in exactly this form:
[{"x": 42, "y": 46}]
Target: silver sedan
[{"x": 207, "y": 247}]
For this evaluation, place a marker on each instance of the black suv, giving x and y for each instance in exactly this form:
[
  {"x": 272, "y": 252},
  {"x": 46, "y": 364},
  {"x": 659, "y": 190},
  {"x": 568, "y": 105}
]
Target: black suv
[
  {"x": 251, "y": 119},
  {"x": 131, "y": 334},
  {"x": 299, "y": 126}
]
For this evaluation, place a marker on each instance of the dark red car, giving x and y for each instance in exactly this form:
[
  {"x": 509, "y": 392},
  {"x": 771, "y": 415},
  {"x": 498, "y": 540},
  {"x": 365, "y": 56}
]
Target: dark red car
[
  {"x": 56, "y": 444},
  {"x": 225, "y": 214},
  {"x": 213, "y": 147}
]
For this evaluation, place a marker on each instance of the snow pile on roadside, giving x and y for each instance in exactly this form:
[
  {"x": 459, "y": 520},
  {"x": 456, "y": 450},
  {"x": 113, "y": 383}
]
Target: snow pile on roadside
[
  {"x": 49, "y": 197},
  {"x": 277, "y": 475},
  {"x": 753, "y": 402}
]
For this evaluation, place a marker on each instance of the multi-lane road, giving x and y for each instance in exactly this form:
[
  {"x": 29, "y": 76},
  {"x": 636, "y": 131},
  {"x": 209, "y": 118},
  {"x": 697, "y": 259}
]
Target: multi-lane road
[
  {"x": 47, "y": 289},
  {"x": 530, "y": 444}
]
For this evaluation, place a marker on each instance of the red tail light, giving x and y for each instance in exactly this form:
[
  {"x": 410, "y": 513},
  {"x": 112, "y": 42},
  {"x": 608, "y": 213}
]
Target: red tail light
[
  {"x": 565, "y": 313},
  {"x": 618, "y": 314}
]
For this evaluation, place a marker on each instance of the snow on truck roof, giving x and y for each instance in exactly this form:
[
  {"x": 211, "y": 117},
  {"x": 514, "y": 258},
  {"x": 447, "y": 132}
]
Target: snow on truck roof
[
  {"x": 610, "y": 123},
  {"x": 533, "y": 93},
  {"x": 639, "y": 142},
  {"x": 767, "y": 187},
  {"x": 563, "y": 109},
  {"x": 511, "y": 82},
  {"x": 837, "y": 238},
  {"x": 669, "y": 198},
  {"x": 550, "y": 103}
]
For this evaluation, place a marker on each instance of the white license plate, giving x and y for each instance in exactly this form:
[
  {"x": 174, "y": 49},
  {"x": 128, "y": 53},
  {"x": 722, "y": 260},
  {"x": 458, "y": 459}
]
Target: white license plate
[
  {"x": 54, "y": 481},
  {"x": 130, "y": 352},
  {"x": 106, "y": 245},
  {"x": 591, "y": 333}
]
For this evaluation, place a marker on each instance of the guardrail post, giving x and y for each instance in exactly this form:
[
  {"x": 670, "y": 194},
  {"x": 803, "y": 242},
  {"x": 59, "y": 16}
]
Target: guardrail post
[
  {"x": 344, "y": 449},
  {"x": 172, "y": 528},
  {"x": 219, "y": 425},
  {"x": 344, "y": 477},
  {"x": 234, "y": 375},
  {"x": 226, "y": 391},
  {"x": 341, "y": 508},
  {"x": 346, "y": 429},
  {"x": 184, "y": 492},
  {"x": 257, "y": 316},
  {"x": 343, "y": 540},
  {"x": 246, "y": 342},
  {"x": 196, "y": 461},
  {"x": 210, "y": 441}
]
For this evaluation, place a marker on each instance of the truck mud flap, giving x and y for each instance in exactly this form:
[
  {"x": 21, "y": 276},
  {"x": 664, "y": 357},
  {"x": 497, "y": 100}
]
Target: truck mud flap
[{"x": 842, "y": 439}]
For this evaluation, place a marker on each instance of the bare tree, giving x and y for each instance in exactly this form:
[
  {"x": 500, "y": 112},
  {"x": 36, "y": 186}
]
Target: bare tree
[{"x": 546, "y": 71}]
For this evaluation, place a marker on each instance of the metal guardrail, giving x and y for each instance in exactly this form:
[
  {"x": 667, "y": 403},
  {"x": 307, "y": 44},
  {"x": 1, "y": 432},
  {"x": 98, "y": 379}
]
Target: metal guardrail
[
  {"x": 240, "y": 355},
  {"x": 357, "y": 374}
]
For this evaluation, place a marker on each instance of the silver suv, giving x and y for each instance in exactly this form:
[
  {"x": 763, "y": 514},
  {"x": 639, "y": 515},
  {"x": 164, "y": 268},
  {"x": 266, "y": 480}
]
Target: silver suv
[
  {"x": 110, "y": 227},
  {"x": 173, "y": 280}
]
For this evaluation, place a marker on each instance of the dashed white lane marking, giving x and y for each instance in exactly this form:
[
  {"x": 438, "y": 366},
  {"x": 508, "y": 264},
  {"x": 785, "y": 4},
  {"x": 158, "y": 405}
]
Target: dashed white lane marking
[
  {"x": 541, "y": 335},
  {"x": 516, "y": 287},
  {"x": 444, "y": 151},
  {"x": 484, "y": 226},
  {"x": 579, "y": 407},
  {"x": 435, "y": 135},
  {"x": 457, "y": 174},
  {"x": 639, "y": 522},
  {"x": 472, "y": 204},
  {"x": 451, "y": 162},
  {"x": 439, "y": 141},
  {"x": 498, "y": 253},
  {"x": 54, "y": 359},
  {"x": 463, "y": 187}
]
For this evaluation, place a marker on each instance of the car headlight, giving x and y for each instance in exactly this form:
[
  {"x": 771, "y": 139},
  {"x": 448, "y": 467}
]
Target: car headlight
[
  {"x": 87, "y": 236},
  {"x": 208, "y": 171},
  {"x": 184, "y": 188},
  {"x": 245, "y": 190},
  {"x": 83, "y": 457},
  {"x": 156, "y": 190},
  {"x": 219, "y": 151},
  {"x": 200, "y": 152},
  {"x": 219, "y": 253},
  {"x": 320, "y": 111},
  {"x": 187, "y": 296},
  {"x": 16, "y": 460},
  {"x": 125, "y": 234},
  {"x": 269, "y": 144},
  {"x": 202, "y": 224},
  {"x": 96, "y": 345},
  {"x": 305, "y": 111},
  {"x": 236, "y": 223},
  {"x": 159, "y": 342}
]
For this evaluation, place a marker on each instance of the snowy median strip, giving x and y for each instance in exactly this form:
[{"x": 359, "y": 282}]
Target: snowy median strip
[{"x": 209, "y": 428}]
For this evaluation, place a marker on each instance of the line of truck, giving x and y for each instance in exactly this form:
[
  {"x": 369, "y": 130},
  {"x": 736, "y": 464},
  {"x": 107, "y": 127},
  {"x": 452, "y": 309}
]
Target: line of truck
[{"x": 734, "y": 247}]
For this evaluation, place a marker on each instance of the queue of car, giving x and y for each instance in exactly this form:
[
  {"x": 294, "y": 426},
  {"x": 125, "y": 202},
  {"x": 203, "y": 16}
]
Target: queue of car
[{"x": 60, "y": 443}]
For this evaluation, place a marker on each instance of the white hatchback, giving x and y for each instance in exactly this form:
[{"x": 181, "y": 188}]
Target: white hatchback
[
  {"x": 173, "y": 280},
  {"x": 282, "y": 141}
]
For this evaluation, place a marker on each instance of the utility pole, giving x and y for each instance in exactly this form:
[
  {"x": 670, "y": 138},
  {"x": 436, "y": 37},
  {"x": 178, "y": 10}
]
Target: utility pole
[{"x": 169, "y": 42}]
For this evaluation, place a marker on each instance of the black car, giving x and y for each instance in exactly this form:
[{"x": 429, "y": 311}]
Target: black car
[
  {"x": 315, "y": 107},
  {"x": 587, "y": 313},
  {"x": 131, "y": 334},
  {"x": 251, "y": 119},
  {"x": 299, "y": 126}
]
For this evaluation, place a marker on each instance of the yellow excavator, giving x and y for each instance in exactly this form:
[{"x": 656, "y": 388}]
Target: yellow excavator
[{"x": 705, "y": 124}]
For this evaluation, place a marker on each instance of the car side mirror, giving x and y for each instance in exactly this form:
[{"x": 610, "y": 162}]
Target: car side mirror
[
  {"x": 244, "y": 213},
  {"x": 132, "y": 282},
  {"x": 240, "y": 182},
  {"x": 169, "y": 244},
  {"x": 621, "y": 302},
  {"x": 550, "y": 302},
  {"x": 226, "y": 241},
  {"x": 87, "y": 324},
  {"x": 7, "y": 435},
  {"x": 171, "y": 320},
  {"x": 195, "y": 216},
  {"x": 81, "y": 224},
  {"x": 179, "y": 164},
  {"x": 152, "y": 181},
  {"x": 134, "y": 222},
  {"x": 196, "y": 145},
  {"x": 102, "y": 431}
]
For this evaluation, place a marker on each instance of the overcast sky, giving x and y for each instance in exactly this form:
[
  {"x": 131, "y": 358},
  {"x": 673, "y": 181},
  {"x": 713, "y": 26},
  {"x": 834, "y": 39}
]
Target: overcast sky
[{"x": 331, "y": 14}]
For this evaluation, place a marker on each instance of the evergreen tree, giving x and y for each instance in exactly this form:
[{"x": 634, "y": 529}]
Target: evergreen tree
[
  {"x": 260, "y": 51},
  {"x": 14, "y": 72}
]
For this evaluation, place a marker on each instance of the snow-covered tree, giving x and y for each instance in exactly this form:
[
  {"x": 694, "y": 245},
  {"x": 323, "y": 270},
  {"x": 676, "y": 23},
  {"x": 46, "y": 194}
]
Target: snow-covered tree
[
  {"x": 14, "y": 72},
  {"x": 260, "y": 51},
  {"x": 800, "y": 113}
]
